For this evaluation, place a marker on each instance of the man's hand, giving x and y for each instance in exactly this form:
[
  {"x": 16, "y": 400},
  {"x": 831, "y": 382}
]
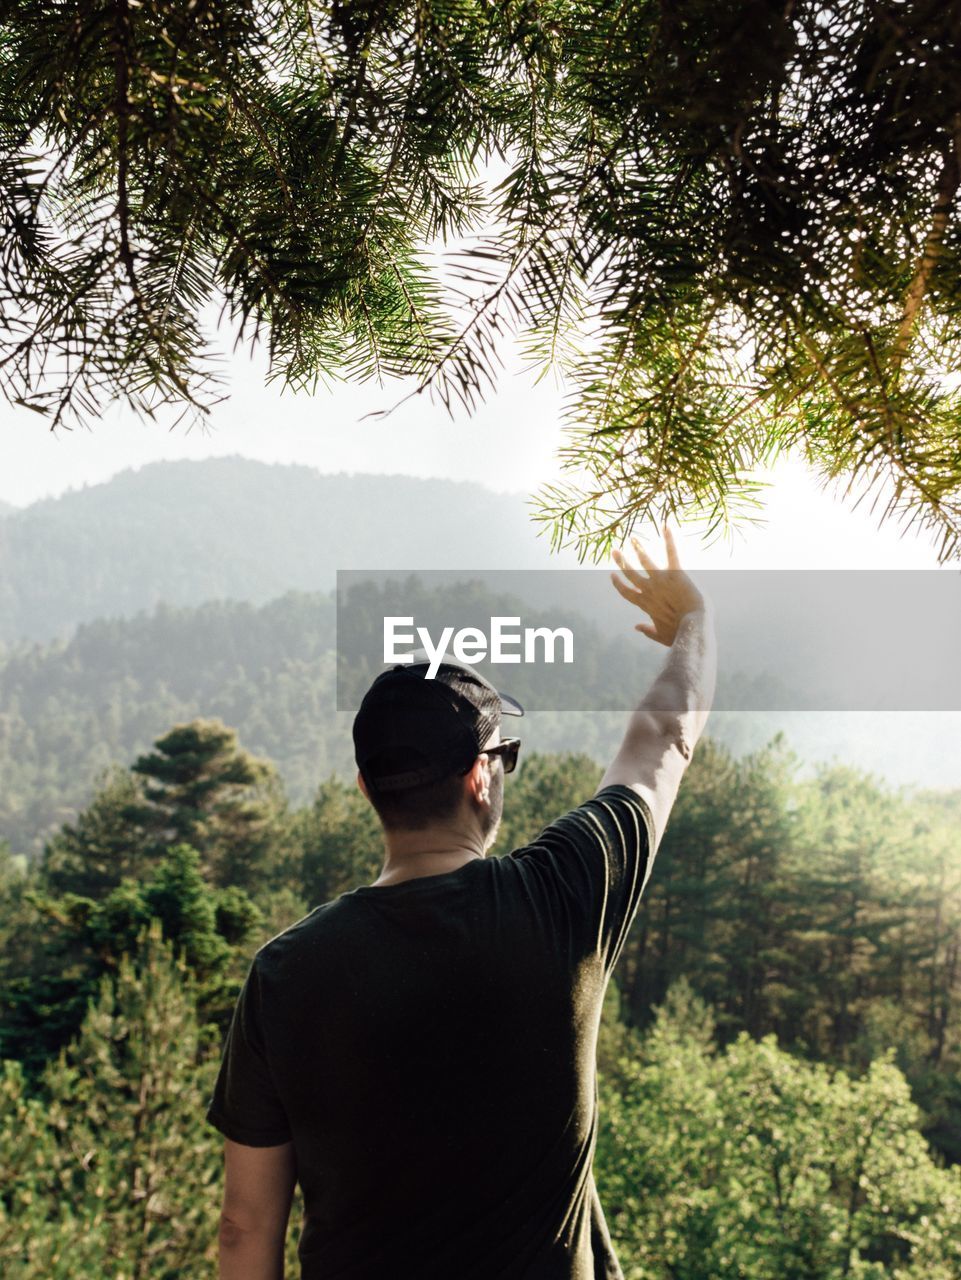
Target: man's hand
[
  {"x": 667, "y": 723},
  {"x": 665, "y": 595}
]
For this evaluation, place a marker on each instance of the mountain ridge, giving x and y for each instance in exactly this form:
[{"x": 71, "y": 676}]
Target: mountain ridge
[
  {"x": 127, "y": 474},
  {"x": 185, "y": 532}
]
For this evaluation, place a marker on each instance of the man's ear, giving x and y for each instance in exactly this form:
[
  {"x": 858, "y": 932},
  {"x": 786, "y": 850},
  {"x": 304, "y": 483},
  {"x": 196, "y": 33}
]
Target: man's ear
[
  {"x": 479, "y": 779},
  {"x": 362, "y": 786}
]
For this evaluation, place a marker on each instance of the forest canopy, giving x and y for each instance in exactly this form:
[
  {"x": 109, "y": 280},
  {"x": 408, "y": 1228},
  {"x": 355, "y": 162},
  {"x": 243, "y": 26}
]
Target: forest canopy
[
  {"x": 778, "y": 1058},
  {"x": 732, "y": 226}
]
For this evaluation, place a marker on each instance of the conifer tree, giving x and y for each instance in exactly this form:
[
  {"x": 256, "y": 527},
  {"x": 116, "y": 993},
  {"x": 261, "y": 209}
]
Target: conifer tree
[
  {"x": 93, "y": 854},
  {"x": 202, "y": 789},
  {"x": 110, "y": 1168},
  {"x": 81, "y": 940},
  {"x": 338, "y": 841},
  {"x": 118, "y": 1173}
]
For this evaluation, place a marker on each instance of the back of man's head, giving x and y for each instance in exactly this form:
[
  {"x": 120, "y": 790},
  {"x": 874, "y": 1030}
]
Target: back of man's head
[
  {"x": 416, "y": 738},
  {"x": 418, "y": 807}
]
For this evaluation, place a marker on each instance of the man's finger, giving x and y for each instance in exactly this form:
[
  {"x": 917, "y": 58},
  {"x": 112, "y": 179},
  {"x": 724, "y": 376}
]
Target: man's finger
[
  {"x": 629, "y": 571},
  {"x": 673, "y": 562},
  {"x": 629, "y": 593},
  {"x": 644, "y": 558}
]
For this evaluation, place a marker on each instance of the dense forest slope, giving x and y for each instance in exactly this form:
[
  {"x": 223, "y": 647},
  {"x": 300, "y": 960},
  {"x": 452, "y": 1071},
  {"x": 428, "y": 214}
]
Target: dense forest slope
[
  {"x": 70, "y": 708},
  {"x": 229, "y": 528}
]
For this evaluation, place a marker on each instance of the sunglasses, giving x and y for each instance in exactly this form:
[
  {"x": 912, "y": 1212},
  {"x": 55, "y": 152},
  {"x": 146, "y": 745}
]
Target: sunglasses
[{"x": 507, "y": 749}]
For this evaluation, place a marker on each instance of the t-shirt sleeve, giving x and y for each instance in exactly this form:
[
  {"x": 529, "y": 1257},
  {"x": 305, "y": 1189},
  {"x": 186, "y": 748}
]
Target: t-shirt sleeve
[
  {"x": 599, "y": 858},
  {"x": 245, "y": 1106}
]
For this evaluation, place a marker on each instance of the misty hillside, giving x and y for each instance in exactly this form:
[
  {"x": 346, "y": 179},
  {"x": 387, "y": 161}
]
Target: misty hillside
[
  {"x": 71, "y": 708},
  {"x": 183, "y": 533}
]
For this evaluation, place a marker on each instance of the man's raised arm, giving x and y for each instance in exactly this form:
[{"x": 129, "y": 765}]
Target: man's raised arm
[{"x": 669, "y": 719}]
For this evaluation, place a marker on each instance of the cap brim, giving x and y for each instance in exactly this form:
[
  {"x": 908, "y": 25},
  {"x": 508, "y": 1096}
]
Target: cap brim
[{"x": 510, "y": 706}]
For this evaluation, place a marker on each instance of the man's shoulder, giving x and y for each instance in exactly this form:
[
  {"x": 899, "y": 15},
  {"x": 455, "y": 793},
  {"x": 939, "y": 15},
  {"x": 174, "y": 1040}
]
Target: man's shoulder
[
  {"x": 303, "y": 934},
  {"x": 624, "y": 800},
  {"x": 616, "y": 802}
]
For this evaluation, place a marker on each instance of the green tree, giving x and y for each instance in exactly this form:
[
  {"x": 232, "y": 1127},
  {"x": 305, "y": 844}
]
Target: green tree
[
  {"x": 338, "y": 842},
  {"x": 205, "y": 927},
  {"x": 115, "y": 1171},
  {"x": 751, "y": 1164},
  {"x": 201, "y": 788},
  {"x": 691, "y": 895},
  {"x": 849, "y": 900},
  {"x": 41, "y": 1234},
  {"x": 751, "y": 930},
  {"x": 81, "y": 940},
  {"x": 545, "y": 786},
  {"x": 93, "y": 854},
  {"x": 109, "y": 1166}
]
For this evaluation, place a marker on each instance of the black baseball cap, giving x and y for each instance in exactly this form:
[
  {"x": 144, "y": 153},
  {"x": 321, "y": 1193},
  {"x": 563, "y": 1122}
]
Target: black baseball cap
[{"x": 411, "y": 729}]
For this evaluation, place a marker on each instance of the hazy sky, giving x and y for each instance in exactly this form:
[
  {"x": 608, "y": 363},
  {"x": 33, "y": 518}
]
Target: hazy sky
[{"x": 508, "y": 445}]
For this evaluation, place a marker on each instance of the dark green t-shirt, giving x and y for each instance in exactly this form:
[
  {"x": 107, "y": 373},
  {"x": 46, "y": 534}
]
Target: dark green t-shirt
[{"x": 430, "y": 1049}]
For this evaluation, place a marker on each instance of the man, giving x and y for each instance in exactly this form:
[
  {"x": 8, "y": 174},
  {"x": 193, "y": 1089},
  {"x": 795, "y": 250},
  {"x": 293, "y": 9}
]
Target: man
[{"x": 420, "y": 1052}]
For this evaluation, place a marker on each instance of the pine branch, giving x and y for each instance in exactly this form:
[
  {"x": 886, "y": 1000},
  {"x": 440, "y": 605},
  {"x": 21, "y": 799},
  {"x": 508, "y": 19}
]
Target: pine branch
[{"x": 948, "y": 184}]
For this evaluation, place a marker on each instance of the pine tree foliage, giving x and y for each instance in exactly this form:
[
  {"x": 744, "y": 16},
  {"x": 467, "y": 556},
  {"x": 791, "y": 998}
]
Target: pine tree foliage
[
  {"x": 732, "y": 225},
  {"x": 111, "y": 1169},
  {"x": 93, "y": 854},
  {"x": 46, "y": 984},
  {"x": 772, "y": 250},
  {"x": 288, "y": 158},
  {"x": 203, "y": 789}
]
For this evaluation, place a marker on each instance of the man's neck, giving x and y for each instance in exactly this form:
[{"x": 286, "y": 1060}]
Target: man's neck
[
  {"x": 395, "y": 872},
  {"x": 430, "y": 852}
]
